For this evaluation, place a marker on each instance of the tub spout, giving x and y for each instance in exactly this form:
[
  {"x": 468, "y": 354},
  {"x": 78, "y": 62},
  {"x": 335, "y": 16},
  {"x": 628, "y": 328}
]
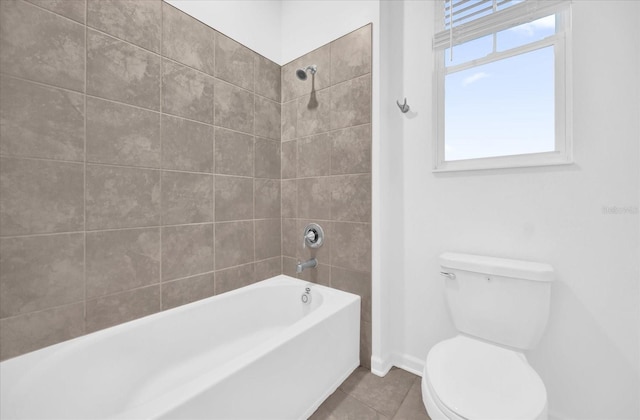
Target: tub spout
[{"x": 312, "y": 263}]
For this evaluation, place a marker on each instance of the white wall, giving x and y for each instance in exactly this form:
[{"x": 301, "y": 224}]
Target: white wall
[
  {"x": 309, "y": 24},
  {"x": 282, "y": 30},
  {"x": 589, "y": 357},
  {"x": 255, "y": 24}
]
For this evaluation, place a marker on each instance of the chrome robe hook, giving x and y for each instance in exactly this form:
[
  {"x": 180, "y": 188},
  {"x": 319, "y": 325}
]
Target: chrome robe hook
[{"x": 404, "y": 108}]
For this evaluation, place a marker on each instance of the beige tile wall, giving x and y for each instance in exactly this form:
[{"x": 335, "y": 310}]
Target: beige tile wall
[
  {"x": 139, "y": 166},
  {"x": 326, "y": 168},
  {"x": 147, "y": 161}
]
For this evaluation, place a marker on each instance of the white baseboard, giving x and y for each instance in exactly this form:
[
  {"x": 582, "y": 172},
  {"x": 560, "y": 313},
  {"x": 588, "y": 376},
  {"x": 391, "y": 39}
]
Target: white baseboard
[
  {"x": 409, "y": 363},
  {"x": 379, "y": 366}
]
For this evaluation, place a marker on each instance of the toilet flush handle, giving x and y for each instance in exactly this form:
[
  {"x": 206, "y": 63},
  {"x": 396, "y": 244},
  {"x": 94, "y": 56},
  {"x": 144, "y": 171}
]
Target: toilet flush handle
[{"x": 450, "y": 276}]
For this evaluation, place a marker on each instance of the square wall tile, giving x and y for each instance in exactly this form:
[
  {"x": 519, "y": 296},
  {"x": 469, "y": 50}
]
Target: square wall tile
[
  {"x": 268, "y": 239},
  {"x": 183, "y": 291},
  {"x": 267, "y": 198},
  {"x": 121, "y": 72},
  {"x": 73, "y": 9},
  {"x": 365, "y": 344},
  {"x": 356, "y": 282},
  {"x": 234, "y": 198},
  {"x": 289, "y": 119},
  {"x": 122, "y": 197},
  {"x": 351, "y": 198},
  {"x": 234, "y": 244},
  {"x": 289, "y": 198},
  {"x": 234, "y": 278},
  {"x": 186, "y": 250},
  {"x": 289, "y": 266},
  {"x": 267, "y": 164},
  {"x": 291, "y": 238},
  {"x": 314, "y": 113},
  {"x": 41, "y": 122},
  {"x": 289, "y": 159},
  {"x": 186, "y": 198},
  {"x": 351, "y": 55},
  {"x": 267, "y": 78},
  {"x": 122, "y": 135},
  {"x": 351, "y": 103},
  {"x": 234, "y": 62},
  {"x": 136, "y": 21},
  {"x": 35, "y": 330},
  {"x": 187, "y": 40},
  {"x": 314, "y": 198},
  {"x": 233, "y": 107},
  {"x": 40, "y": 196},
  {"x": 351, "y": 246},
  {"x": 266, "y": 269},
  {"x": 40, "y": 272},
  {"x": 233, "y": 153},
  {"x": 186, "y": 145},
  {"x": 186, "y": 92},
  {"x": 314, "y": 155},
  {"x": 267, "y": 118},
  {"x": 41, "y": 46},
  {"x": 120, "y": 260},
  {"x": 116, "y": 309},
  {"x": 351, "y": 150}
]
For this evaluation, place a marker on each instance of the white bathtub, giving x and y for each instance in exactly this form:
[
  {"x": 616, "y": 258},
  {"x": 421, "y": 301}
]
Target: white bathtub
[{"x": 254, "y": 353}]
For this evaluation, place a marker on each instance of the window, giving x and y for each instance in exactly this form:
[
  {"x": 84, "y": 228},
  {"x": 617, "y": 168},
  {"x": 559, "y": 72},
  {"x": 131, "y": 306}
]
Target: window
[{"x": 503, "y": 98}]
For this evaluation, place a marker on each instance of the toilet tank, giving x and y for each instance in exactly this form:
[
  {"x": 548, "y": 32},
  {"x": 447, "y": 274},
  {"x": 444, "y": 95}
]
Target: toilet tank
[{"x": 500, "y": 300}]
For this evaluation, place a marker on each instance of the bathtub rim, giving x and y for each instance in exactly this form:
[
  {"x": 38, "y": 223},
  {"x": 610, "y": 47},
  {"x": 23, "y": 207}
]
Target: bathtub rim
[{"x": 198, "y": 385}]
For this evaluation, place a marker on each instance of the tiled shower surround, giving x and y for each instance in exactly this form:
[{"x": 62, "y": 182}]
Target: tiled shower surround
[
  {"x": 140, "y": 166},
  {"x": 326, "y": 168}
]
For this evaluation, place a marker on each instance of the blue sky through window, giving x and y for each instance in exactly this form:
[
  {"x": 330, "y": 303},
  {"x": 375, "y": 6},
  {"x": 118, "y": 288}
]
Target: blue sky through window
[{"x": 505, "y": 107}]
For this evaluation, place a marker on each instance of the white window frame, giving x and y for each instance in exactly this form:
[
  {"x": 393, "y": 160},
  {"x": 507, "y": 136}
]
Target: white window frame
[{"x": 561, "y": 42}]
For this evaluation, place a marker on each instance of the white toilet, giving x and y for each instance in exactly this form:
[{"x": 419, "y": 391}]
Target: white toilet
[{"x": 501, "y": 308}]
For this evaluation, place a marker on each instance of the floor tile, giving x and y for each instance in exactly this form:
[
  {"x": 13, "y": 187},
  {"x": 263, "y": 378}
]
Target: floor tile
[
  {"x": 384, "y": 395},
  {"x": 340, "y": 406},
  {"x": 412, "y": 407}
]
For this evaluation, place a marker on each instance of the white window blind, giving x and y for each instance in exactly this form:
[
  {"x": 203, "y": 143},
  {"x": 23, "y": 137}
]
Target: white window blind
[{"x": 465, "y": 20}]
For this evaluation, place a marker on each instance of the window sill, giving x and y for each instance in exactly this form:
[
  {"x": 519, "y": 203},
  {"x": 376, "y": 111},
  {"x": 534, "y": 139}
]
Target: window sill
[{"x": 504, "y": 162}]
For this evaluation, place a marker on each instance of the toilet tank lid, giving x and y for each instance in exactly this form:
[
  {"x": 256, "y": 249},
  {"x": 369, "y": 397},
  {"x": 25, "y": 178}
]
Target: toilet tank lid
[{"x": 497, "y": 266}]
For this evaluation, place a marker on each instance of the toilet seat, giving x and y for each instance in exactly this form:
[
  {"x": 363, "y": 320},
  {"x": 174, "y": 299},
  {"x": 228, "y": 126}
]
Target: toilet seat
[{"x": 471, "y": 379}]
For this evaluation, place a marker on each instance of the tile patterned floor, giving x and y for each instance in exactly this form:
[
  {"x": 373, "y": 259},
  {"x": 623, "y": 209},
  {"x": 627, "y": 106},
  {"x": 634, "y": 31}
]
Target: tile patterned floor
[{"x": 365, "y": 396}]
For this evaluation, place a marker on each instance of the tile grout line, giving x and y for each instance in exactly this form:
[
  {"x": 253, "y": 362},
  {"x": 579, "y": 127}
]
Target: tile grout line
[
  {"x": 48, "y": 86},
  {"x": 78, "y": 232},
  {"x": 281, "y": 271},
  {"x": 144, "y": 168},
  {"x": 253, "y": 214},
  {"x": 162, "y": 55},
  {"x": 84, "y": 171},
  {"x": 405, "y": 397},
  {"x": 214, "y": 166},
  {"x": 161, "y": 108},
  {"x": 331, "y": 215}
]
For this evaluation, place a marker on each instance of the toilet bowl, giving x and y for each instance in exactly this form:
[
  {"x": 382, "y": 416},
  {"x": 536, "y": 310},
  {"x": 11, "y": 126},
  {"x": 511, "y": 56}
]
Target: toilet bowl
[
  {"x": 500, "y": 307},
  {"x": 465, "y": 378}
]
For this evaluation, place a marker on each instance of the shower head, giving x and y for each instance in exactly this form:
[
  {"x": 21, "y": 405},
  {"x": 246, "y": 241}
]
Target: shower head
[{"x": 302, "y": 72}]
